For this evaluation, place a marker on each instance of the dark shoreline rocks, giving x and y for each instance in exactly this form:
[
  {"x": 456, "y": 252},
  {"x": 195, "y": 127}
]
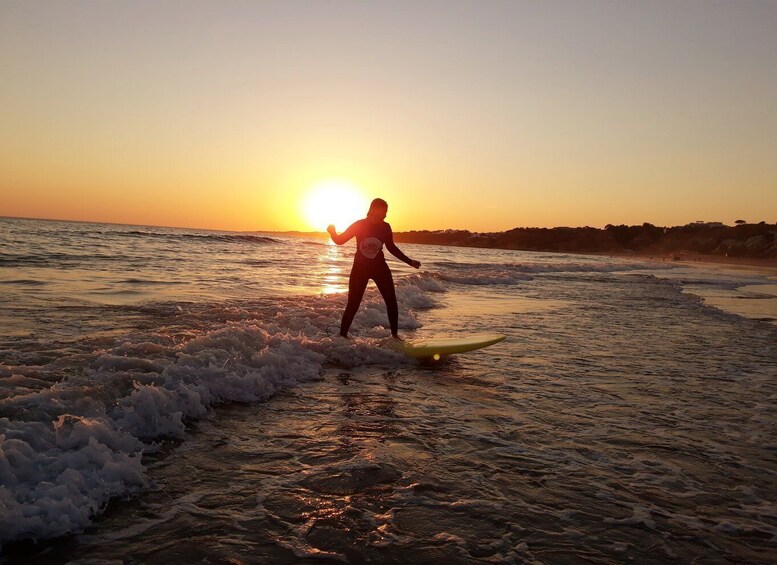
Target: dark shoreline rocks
[{"x": 755, "y": 241}]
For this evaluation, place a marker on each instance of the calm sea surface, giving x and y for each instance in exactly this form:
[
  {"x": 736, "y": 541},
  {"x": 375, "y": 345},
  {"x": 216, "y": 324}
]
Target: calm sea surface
[{"x": 178, "y": 396}]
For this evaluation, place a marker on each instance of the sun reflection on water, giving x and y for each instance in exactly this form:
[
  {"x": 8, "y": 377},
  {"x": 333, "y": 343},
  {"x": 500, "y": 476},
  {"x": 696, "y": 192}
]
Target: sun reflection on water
[{"x": 334, "y": 281}]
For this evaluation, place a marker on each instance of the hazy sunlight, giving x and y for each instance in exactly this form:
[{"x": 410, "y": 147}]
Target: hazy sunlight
[{"x": 335, "y": 202}]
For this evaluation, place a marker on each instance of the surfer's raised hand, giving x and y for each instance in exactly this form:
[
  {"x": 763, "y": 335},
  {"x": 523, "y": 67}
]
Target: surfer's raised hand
[
  {"x": 331, "y": 229},
  {"x": 415, "y": 264}
]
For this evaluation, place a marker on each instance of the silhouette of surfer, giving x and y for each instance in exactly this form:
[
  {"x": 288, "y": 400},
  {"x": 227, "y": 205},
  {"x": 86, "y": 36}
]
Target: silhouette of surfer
[{"x": 371, "y": 233}]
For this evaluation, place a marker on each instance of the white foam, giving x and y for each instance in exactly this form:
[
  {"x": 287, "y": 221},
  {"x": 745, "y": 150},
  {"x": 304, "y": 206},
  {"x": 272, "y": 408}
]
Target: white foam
[
  {"x": 498, "y": 277},
  {"x": 516, "y": 273},
  {"x": 73, "y": 446},
  {"x": 59, "y": 476}
]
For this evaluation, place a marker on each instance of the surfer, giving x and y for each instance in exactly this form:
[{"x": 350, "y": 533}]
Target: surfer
[{"x": 372, "y": 233}]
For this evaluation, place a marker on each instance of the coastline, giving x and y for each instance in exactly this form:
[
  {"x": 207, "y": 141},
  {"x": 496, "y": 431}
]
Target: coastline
[
  {"x": 766, "y": 266},
  {"x": 769, "y": 264},
  {"x": 739, "y": 301}
]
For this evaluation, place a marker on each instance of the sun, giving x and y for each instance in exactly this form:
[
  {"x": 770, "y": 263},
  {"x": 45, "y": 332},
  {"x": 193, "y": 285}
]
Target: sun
[{"x": 337, "y": 202}]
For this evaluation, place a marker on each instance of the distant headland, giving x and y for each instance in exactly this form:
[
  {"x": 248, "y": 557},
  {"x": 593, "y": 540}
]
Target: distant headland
[
  {"x": 754, "y": 241},
  {"x": 710, "y": 239}
]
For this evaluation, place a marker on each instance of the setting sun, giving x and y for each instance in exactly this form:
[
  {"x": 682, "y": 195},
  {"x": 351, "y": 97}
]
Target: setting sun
[{"x": 335, "y": 202}]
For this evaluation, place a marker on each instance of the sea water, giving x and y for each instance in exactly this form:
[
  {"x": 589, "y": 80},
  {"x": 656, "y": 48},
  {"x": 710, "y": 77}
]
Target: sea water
[{"x": 175, "y": 395}]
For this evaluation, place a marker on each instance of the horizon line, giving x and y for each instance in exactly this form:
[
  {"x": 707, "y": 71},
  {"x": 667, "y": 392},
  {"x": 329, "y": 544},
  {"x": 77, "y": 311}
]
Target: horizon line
[{"x": 315, "y": 232}]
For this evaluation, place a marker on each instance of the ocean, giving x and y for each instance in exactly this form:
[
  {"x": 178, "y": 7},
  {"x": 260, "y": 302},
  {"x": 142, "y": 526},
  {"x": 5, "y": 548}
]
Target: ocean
[{"x": 178, "y": 396}]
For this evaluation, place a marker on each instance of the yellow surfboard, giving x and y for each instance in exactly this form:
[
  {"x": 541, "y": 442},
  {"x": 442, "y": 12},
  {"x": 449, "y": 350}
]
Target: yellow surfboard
[{"x": 434, "y": 348}]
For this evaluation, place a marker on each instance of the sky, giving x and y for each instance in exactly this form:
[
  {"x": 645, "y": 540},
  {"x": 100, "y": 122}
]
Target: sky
[{"x": 480, "y": 115}]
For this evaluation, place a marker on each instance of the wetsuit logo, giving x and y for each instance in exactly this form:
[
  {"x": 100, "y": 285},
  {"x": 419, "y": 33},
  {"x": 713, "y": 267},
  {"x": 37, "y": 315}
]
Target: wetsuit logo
[{"x": 370, "y": 247}]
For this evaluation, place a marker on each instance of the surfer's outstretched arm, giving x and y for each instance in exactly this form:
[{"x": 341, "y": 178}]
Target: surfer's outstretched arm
[
  {"x": 345, "y": 236},
  {"x": 391, "y": 246}
]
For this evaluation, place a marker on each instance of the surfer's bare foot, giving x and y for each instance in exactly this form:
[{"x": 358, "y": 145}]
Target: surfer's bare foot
[
  {"x": 396, "y": 336},
  {"x": 344, "y": 336}
]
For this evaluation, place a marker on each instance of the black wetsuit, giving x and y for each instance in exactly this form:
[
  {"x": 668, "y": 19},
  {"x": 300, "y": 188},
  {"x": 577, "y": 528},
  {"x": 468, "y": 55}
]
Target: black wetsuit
[{"x": 370, "y": 263}]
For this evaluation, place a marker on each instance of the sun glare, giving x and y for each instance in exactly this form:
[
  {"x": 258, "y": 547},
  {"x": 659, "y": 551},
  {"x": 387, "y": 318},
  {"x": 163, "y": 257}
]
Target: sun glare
[{"x": 335, "y": 202}]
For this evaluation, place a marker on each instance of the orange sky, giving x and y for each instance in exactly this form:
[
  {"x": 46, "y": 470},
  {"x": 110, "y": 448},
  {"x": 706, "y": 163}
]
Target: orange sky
[{"x": 226, "y": 115}]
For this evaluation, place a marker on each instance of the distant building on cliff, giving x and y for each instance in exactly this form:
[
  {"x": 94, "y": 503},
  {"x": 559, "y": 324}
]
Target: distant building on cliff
[{"x": 702, "y": 223}]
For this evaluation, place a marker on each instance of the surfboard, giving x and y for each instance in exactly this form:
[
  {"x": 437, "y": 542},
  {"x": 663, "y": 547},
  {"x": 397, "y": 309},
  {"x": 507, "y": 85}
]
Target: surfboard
[{"x": 435, "y": 348}]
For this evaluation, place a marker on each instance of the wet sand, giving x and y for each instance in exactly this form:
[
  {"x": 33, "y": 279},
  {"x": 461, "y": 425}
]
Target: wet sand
[{"x": 766, "y": 266}]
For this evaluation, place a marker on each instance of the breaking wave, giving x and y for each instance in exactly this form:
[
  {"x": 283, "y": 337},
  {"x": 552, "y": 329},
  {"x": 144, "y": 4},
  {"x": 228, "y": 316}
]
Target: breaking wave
[{"x": 71, "y": 442}]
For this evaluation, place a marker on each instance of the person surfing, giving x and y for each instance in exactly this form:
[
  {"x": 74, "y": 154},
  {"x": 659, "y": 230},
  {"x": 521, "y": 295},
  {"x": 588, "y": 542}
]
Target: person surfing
[{"x": 371, "y": 233}]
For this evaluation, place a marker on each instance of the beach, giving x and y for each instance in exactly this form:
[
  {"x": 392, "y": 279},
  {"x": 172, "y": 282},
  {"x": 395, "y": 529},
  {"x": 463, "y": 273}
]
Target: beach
[
  {"x": 180, "y": 395},
  {"x": 767, "y": 266}
]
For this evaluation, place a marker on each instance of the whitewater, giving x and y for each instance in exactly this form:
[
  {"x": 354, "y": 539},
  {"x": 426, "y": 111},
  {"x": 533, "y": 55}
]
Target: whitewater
[{"x": 181, "y": 395}]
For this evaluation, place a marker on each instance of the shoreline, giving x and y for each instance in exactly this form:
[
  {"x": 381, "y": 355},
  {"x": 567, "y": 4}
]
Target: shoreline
[
  {"x": 768, "y": 263},
  {"x": 767, "y": 266}
]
